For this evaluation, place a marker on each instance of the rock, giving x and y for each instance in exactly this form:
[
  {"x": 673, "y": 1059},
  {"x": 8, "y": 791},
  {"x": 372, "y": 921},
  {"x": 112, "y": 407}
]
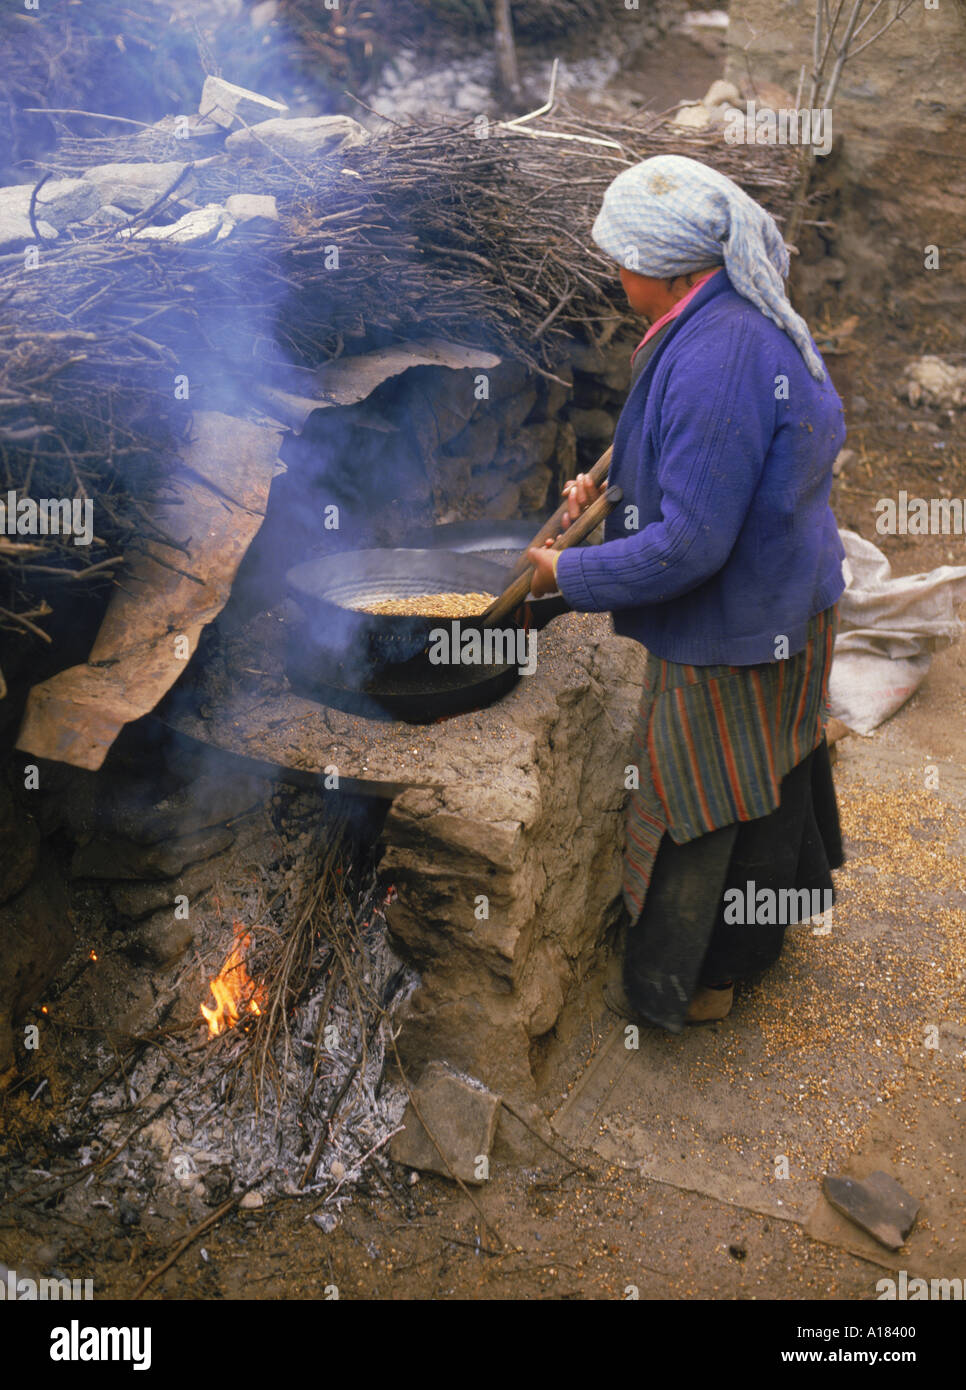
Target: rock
[
  {"x": 127, "y": 1213},
  {"x": 252, "y": 1201},
  {"x": 693, "y": 117},
  {"x": 62, "y": 201},
  {"x": 721, "y": 93},
  {"x": 123, "y": 859},
  {"x": 477, "y": 442},
  {"x": 137, "y": 186},
  {"x": 558, "y": 393},
  {"x": 337, "y": 1170},
  {"x": 932, "y": 381},
  {"x": 15, "y": 229},
  {"x": 138, "y": 900},
  {"x": 566, "y": 451},
  {"x": 596, "y": 425},
  {"x": 217, "y": 1183},
  {"x": 878, "y": 1204},
  {"x": 222, "y": 101},
  {"x": 326, "y": 1221},
  {"x": 530, "y": 447},
  {"x": 462, "y": 1116},
  {"x": 303, "y": 137},
  {"x": 158, "y": 1135},
  {"x": 256, "y": 212},
  {"x": 513, "y": 410},
  {"x": 197, "y": 228},
  {"x": 843, "y": 459},
  {"x": 37, "y": 935},
  {"x": 107, "y": 216},
  {"x": 534, "y": 488},
  {"x": 162, "y": 938},
  {"x": 59, "y": 202}
]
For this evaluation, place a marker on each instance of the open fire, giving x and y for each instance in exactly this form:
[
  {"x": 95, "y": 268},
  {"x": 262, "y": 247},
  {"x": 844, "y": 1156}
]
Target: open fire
[{"x": 234, "y": 991}]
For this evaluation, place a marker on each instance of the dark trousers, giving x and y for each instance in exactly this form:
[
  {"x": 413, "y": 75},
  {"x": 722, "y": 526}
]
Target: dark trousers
[{"x": 681, "y": 939}]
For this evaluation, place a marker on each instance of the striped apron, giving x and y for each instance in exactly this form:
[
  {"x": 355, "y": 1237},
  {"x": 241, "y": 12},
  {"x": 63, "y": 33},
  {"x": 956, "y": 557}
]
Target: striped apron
[{"x": 712, "y": 744}]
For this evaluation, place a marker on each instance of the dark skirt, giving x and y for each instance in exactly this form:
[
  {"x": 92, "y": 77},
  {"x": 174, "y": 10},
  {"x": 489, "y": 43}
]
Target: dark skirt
[
  {"x": 706, "y": 915},
  {"x": 735, "y": 799}
]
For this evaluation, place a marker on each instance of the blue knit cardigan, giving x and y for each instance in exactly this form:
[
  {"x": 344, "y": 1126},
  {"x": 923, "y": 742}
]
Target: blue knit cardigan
[{"x": 724, "y": 545}]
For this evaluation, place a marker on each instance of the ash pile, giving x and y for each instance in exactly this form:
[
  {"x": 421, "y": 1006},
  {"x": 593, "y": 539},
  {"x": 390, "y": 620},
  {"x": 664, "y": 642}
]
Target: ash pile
[{"x": 254, "y": 1066}]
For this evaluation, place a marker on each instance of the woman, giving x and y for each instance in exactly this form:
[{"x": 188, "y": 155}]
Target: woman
[{"x": 724, "y": 561}]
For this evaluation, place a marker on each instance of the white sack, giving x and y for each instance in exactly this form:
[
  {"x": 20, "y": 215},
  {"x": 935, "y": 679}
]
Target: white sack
[{"x": 888, "y": 630}]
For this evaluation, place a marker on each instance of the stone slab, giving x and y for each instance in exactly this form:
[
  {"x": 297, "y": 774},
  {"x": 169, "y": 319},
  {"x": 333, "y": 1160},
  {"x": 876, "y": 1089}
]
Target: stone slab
[
  {"x": 461, "y": 1115},
  {"x": 878, "y": 1204}
]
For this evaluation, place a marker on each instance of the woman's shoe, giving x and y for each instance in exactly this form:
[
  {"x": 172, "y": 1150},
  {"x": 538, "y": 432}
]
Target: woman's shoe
[{"x": 709, "y": 1005}]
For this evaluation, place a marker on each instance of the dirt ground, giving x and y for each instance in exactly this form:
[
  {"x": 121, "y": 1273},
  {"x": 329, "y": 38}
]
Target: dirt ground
[{"x": 668, "y": 1189}]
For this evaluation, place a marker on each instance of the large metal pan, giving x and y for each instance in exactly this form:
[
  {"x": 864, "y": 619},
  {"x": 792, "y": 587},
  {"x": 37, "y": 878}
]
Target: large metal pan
[{"x": 376, "y": 663}]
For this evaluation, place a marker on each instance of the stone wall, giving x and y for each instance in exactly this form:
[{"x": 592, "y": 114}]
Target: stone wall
[{"x": 900, "y": 165}]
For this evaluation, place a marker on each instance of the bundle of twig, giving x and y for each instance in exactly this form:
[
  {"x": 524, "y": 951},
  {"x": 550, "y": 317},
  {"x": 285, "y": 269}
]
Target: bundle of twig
[{"x": 427, "y": 231}]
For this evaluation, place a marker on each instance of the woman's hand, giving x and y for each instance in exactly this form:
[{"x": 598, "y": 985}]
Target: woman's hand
[
  {"x": 544, "y": 562},
  {"x": 579, "y": 492}
]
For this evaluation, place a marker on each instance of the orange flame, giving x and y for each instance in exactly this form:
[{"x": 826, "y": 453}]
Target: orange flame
[{"x": 233, "y": 989}]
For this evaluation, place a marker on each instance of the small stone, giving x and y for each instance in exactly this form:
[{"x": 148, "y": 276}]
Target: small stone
[
  {"x": 326, "y": 1221},
  {"x": 252, "y": 1201},
  {"x": 461, "y": 1114},
  {"x": 137, "y": 186},
  {"x": 158, "y": 1135},
  {"x": 304, "y": 137},
  {"x": 217, "y": 1183},
  {"x": 15, "y": 229},
  {"x": 59, "y": 202},
  {"x": 721, "y": 92},
  {"x": 256, "y": 212},
  {"x": 197, "y": 228},
  {"x": 337, "y": 1170},
  {"x": 693, "y": 117},
  {"x": 107, "y": 216},
  {"x": 877, "y": 1203},
  {"x": 222, "y": 101},
  {"x": 162, "y": 938},
  {"x": 127, "y": 1213}
]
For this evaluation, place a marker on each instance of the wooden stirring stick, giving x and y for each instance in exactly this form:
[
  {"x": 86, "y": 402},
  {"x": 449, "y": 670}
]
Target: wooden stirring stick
[
  {"x": 517, "y": 590},
  {"x": 597, "y": 475}
]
